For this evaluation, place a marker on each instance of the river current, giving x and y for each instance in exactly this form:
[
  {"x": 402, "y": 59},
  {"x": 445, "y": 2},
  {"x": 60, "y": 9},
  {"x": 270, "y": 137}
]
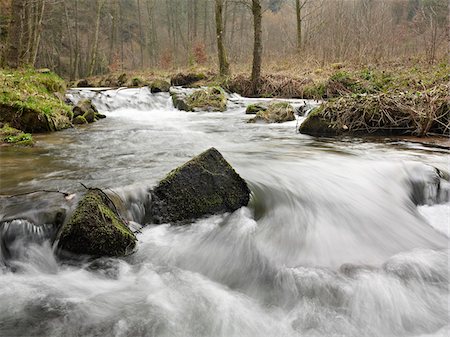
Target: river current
[{"x": 342, "y": 237}]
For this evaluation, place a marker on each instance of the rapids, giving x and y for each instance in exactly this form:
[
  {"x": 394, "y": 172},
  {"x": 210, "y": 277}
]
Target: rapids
[{"x": 342, "y": 237}]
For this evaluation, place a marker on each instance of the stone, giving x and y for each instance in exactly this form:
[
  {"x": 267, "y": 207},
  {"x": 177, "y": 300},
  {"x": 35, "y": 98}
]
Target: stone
[
  {"x": 277, "y": 112},
  {"x": 205, "y": 185},
  {"x": 95, "y": 228},
  {"x": 159, "y": 86}
]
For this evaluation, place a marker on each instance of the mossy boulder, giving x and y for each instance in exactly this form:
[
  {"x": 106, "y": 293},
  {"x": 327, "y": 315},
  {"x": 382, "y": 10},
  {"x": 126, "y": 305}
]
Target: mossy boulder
[
  {"x": 96, "y": 228},
  {"x": 159, "y": 86},
  {"x": 12, "y": 136},
  {"x": 80, "y": 120},
  {"x": 87, "y": 110},
  {"x": 276, "y": 112},
  {"x": 207, "y": 184},
  {"x": 253, "y": 109},
  {"x": 122, "y": 79},
  {"x": 209, "y": 99},
  {"x": 316, "y": 124},
  {"x": 181, "y": 79},
  {"x": 179, "y": 100}
]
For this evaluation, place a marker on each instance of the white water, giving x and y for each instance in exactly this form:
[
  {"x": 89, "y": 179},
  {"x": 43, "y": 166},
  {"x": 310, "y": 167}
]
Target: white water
[{"x": 330, "y": 245}]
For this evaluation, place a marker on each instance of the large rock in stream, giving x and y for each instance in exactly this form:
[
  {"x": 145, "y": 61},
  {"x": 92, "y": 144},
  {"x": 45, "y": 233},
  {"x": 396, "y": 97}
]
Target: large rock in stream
[
  {"x": 205, "y": 185},
  {"x": 96, "y": 228}
]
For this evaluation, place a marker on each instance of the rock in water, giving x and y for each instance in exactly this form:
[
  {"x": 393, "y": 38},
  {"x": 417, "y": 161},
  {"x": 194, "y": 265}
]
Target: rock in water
[
  {"x": 95, "y": 228},
  {"x": 207, "y": 184}
]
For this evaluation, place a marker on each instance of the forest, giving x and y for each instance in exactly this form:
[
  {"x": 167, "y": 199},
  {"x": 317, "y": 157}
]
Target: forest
[{"x": 82, "y": 38}]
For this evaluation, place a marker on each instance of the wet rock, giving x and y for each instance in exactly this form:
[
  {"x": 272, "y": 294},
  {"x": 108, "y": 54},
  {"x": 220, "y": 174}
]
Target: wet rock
[
  {"x": 253, "y": 109},
  {"x": 79, "y": 120},
  {"x": 317, "y": 125},
  {"x": 186, "y": 79},
  {"x": 179, "y": 100},
  {"x": 277, "y": 112},
  {"x": 96, "y": 228},
  {"x": 83, "y": 83},
  {"x": 205, "y": 185},
  {"x": 209, "y": 99},
  {"x": 87, "y": 110},
  {"x": 159, "y": 86}
]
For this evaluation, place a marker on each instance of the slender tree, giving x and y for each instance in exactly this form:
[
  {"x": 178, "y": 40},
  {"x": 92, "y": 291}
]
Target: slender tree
[
  {"x": 257, "y": 45},
  {"x": 224, "y": 66}
]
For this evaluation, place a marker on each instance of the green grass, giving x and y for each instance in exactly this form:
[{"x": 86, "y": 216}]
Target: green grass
[
  {"x": 30, "y": 90},
  {"x": 10, "y": 135}
]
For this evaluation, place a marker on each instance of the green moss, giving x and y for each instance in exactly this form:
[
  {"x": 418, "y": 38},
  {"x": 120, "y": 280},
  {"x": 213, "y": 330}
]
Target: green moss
[
  {"x": 277, "y": 112},
  {"x": 11, "y": 135},
  {"x": 26, "y": 92},
  {"x": 253, "y": 109},
  {"x": 95, "y": 229},
  {"x": 80, "y": 120},
  {"x": 212, "y": 98}
]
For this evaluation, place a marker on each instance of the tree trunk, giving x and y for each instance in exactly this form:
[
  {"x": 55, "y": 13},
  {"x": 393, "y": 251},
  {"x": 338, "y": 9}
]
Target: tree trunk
[
  {"x": 37, "y": 32},
  {"x": 298, "y": 11},
  {"x": 15, "y": 34},
  {"x": 96, "y": 33},
  {"x": 257, "y": 45},
  {"x": 224, "y": 67},
  {"x": 141, "y": 34}
]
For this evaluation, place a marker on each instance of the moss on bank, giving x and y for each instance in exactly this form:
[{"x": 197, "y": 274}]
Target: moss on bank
[
  {"x": 28, "y": 101},
  {"x": 12, "y": 136}
]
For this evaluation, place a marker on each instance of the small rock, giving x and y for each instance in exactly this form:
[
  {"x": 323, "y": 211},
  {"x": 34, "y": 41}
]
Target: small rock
[
  {"x": 277, "y": 112},
  {"x": 186, "y": 79},
  {"x": 79, "y": 120},
  {"x": 253, "y": 109}
]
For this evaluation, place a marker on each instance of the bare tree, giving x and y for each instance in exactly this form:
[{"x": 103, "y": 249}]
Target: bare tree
[
  {"x": 224, "y": 67},
  {"x": 257, "y": 45}
]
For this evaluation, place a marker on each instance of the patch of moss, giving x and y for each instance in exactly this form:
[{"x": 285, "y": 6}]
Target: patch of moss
[
  {"x": 253, "y": 109},
  {"x": 79, "y": 120},
  {"x": 9, "y": 135},
  {"x": 210, "y": 99},
  {"x": 159, "y": 86}
]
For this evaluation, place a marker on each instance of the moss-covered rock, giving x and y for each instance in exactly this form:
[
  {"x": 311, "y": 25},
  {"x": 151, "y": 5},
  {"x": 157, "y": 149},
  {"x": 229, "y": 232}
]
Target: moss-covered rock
[
  {"x": 87, "y": 110},
  {"x": 253, "y": 109},
  {"x": 317, "y": 125},
  {"x": 181, "y": 79},
  {"x": 122, "y": 79},
  {"x": 80, "y": 120},
  {"x": 12, "y": 136},
  {"x": 179, "y": 100},
  {"x": 205, "y": 185},
  {"x": 159, "y": 86},
  {"x": 277, "y": 112},
  {"x": 83, "y": 83},
  {"x": 209, "y": 99},
  {"x": 96, "y": 228}
]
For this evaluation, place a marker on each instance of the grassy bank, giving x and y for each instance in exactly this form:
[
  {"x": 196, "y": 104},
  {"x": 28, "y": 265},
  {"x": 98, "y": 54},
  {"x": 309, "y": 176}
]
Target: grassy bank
[
  {"x": 32, "y": 101},
  {"x": 385, "y": 99}
]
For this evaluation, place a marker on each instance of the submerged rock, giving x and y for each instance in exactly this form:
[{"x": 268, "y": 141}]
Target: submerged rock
[
  {"x": 276, "y": 112},
  {"x": 96, "y": 228},
  {"x": 207, "y": 184}
]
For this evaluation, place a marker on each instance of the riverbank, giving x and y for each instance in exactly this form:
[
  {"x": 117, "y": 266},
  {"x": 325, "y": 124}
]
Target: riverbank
[
  {"x": 31, "y": 101},
  {"x": 377, "y": 100}
]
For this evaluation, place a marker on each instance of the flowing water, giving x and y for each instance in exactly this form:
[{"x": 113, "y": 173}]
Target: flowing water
[{"x": 343, "y": 237}]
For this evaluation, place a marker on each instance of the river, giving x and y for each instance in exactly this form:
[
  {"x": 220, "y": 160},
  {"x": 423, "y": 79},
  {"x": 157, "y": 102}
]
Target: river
[{"x": 342, "y": 237}]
